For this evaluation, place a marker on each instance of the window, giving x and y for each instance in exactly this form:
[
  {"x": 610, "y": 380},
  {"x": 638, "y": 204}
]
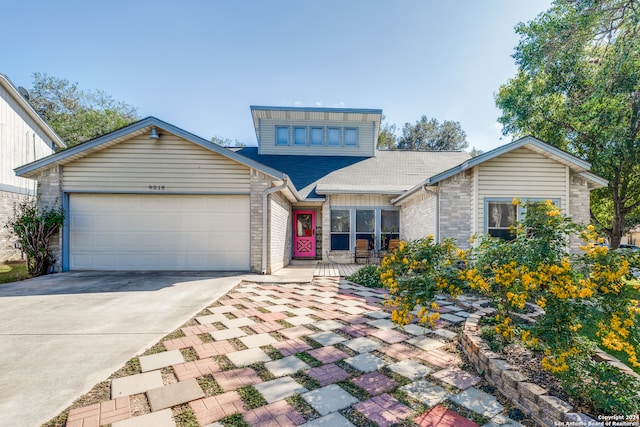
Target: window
[
  {"x": 390, "y": 222},
  {"x": 333, "y": 136},
  {"x": 317, "y": 136},
  {"x": 501, "y": 216},
  {"x": 366, "y": 226},
  {"x": 282, "y": 135},
  {"x": 340, "y": 230},
  {"x": 351, "y": 136},
  {"x": 299, "y": 136}
]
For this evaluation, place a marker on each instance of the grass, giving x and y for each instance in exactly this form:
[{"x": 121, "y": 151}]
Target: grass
[
  {"x": 251, "y": 397},
  {"x": 13, "y": 272}
]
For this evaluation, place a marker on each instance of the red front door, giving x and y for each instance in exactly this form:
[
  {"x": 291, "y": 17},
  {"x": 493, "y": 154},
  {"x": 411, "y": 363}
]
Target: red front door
[{"x": 304, "y": 232}]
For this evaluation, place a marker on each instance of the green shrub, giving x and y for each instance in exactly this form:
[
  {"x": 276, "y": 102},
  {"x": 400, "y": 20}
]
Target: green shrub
[{"x": 368, "y": 276}]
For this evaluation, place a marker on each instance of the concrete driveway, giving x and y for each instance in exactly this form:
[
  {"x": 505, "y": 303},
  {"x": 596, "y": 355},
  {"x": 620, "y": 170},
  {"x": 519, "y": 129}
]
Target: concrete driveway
[{"x": 63, "y": 333}]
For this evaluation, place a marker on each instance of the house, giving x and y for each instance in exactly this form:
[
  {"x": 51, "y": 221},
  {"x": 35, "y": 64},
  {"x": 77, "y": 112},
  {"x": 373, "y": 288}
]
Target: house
[
  {"x": 24, "y": 137},
  {"x": 152, "y": 196}
]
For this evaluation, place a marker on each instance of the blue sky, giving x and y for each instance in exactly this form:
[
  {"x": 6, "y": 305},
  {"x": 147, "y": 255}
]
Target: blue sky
[{"x": 200, "y": 64}]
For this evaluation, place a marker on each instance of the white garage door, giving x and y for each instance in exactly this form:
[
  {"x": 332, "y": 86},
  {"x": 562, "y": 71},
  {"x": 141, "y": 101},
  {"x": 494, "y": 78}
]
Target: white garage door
[{"x": 149, "y": 232}]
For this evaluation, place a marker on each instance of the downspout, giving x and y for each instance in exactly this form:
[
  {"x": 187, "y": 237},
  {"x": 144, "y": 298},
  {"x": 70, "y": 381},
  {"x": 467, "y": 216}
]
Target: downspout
[
  {"x": 265, "y": 234},
  {"x": 437, "y": 227}
]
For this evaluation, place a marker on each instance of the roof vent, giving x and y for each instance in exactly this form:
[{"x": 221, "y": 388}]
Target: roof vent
[{"x": 154, "y": 134}]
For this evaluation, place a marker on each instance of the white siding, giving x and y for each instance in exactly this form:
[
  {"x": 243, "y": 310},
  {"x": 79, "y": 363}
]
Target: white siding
[
  {"x": 21, "y": 141},
  {"x": 171, "y": 162},
  {"x": 521, "y": 173},
  {"x": 372, "y": 200},
  {"x": 365, "y": 147},
  {"x": 280, "y": 232}
]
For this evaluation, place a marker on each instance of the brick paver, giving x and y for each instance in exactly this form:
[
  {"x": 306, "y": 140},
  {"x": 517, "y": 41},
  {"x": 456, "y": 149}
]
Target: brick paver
[
  {"x": 457, "y": 377},
  {"x": 195, "y": 369},
  {"x": 359, "y": 330},
  {"x": 390, "y": 336},
  {"x": 214, "y": 408},
  {"x": 209, "y": 349},
  {"x": 328, "y": 374},
  {"x": 383, "y": 410},
  {"x": 439, "y": 416},
  {"x": 327, "y": 354},
  {"x": 438, "y": 358},
  {"x": 180, "y": 343},
  {"x": 374, "y": 383},
  {"x": 198, "y": 329},
  {"x": 274, "y": 414},
  {"x": 99, "y": 414},
  {"x": 236, "y": 378},
  {"x": 266, "y": 327},
  {"x": 295, "y": 332},
  {"x": 267, "y": 317},
  {"x": 399, "y": 351},
  {"x": 290, "y": 347}
]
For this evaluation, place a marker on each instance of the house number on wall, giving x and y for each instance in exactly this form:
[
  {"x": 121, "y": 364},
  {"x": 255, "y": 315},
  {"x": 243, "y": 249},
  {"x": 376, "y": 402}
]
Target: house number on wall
[{"x": 156, "y": 187}]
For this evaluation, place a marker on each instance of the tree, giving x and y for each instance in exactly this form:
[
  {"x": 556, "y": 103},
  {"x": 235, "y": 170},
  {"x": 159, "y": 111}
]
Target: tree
[
  {"x": 227, "y": 142},
  {"x": 578, "y": 88},
  {"x": 429, "y": 134},
  {"x": 76, "y": 115},
  {"x": 475, "y": 152},
  {"x": 34, "y": 227},
  {"x": 387, "y": 139}
]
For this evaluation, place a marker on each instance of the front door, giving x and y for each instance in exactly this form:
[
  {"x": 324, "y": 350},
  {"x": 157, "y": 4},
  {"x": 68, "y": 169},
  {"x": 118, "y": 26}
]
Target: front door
[{"x": 304, "y": 231}]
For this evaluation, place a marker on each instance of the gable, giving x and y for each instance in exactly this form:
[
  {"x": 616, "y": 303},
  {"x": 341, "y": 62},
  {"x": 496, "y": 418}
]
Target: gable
[
  {"x": 525, "y": 172},
  {"x": 170, "y": 164}
]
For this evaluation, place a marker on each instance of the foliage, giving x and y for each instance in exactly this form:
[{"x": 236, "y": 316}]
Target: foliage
[
  {"x": 227, "y": 142},
  {"x": 415, "y": 273},
  {"x": 429, "y": 134},
  {"x": 34, "y": 226},
  {"x": 578, "y": 88},
  {"x": 387, "y": 139},
  {"x": 368, "y": 276},
  {"x": 76, "y": 115},
  {"x": 589, "y": 290}
]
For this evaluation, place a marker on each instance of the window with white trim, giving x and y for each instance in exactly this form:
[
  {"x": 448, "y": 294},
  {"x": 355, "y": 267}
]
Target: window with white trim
[
  {"x": 350, "y": 137},
  {"x": 317, "y": 136},
  {"x": 282, "y": 135},
  {"x": 333, "y": 136},
  {"x": 502, "y": 214},
  {"x": 299, "y": 136},
  {"x": 366, "y": 226},
  {"x": 340, "y": 229}
]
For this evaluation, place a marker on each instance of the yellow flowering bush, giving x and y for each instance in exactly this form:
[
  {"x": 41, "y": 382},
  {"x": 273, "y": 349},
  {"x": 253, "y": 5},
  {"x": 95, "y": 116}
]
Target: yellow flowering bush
[
  {"x": 588, "y": 299},
  {"x": 415, "y": 273}
]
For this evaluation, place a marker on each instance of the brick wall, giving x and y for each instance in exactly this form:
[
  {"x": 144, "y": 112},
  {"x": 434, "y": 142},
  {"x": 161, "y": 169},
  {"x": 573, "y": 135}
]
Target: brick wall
[
  {"x": 8, "y": 203},
  {"x": 259, "y": 183},
  {"x": 456, "y": 195},
  {"x": 579, "y": 205},
  {"x": 280, "y": 232},
  {"x": 418, "y": 216}
]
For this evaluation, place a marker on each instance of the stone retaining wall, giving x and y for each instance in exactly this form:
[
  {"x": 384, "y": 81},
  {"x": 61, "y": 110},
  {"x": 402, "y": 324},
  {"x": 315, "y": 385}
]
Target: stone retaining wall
[{"x": 532, "y": 399}]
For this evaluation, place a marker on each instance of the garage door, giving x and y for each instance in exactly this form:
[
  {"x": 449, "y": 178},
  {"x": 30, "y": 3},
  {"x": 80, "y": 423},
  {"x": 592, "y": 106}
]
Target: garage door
[{"x": 149, "y": 232}]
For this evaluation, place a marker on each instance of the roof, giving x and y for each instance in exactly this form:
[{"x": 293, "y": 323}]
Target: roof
[
  {"x": 579, "y": 166},
  {"x": 259, "y": 112},
  {"x": 24, "y": 104},
  {"x": 389, "y": 172},
  {"x": 138, "y": 128}
]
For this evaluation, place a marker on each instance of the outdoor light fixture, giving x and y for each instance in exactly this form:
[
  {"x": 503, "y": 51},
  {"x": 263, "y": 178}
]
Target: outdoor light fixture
[{"x": 154, "y": 134}]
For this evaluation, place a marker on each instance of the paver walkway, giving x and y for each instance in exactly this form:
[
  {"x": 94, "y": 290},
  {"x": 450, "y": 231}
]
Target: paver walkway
[{"x": 320, "y": 353}]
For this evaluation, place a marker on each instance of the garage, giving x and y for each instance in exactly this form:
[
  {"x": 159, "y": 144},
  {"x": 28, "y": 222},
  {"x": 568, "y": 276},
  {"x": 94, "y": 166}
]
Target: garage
[{"x": 158, "y": 232}]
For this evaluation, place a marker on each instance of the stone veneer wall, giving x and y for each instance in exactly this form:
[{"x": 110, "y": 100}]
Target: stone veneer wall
[
  {"x": 529, "y": 397},
  {"x": 8, "y": 204},
  {"x": 280, "y": 232},
  {"x": 456, "y": 196},
  {"x": 50, "y": 193},
  {"x": 418, "y": 216}
]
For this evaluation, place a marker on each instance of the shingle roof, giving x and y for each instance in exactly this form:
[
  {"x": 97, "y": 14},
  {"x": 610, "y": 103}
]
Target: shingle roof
[{"x": 391, "y": 172}]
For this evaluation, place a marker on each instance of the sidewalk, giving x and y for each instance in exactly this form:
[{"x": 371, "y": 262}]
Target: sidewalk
[{"x": 317, "y": 354}]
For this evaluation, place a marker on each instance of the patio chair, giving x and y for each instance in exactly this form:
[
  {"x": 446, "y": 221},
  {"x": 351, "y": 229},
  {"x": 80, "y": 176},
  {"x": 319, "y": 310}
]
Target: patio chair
[
  {"x": 361, "y": 251},
  {"x": 394, "y": 244}
]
